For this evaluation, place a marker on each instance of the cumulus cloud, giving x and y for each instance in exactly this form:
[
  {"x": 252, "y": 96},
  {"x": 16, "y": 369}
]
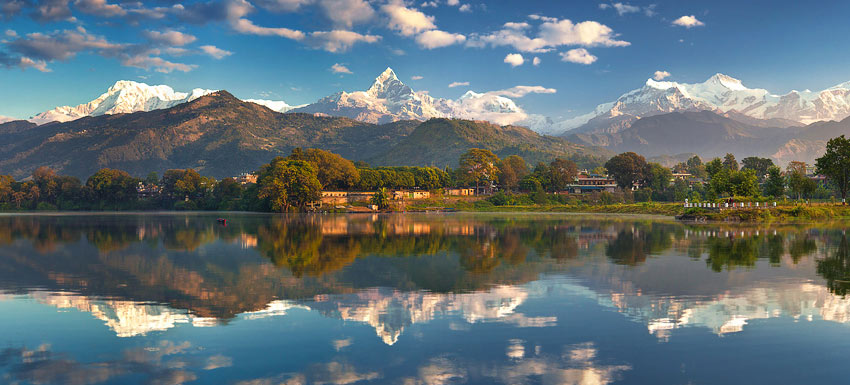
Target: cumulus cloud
[
  {"x": 407, "y": 21},
  {"x": 514, "y": 59},
  {"x": 458, "y": 84},
  {"x": 688, "y": 22},
  {"x": 340, "y": 69},
  {"x": 99, "y": 8},
  {"x": 248, "y": 27},
  {"x": 347, "y": 13},
  {"x": 47, "y": 11},
  {"x": 520, "y": 91},
  {"x": 170, "y": 38},
  {"x": 338, "y": 40},
  {"x": 660, "y": 75},
  {"x": 282, "y": 5},
  {"x": 416, "y": 77},
  {"x": 465, "y": 8},
  {"x": 437, "y": 39},
  {"x": 37, "y": 49},
  {"x": 578, "y": 55},
  {"x": 214, "y": 51},
  {"x": 552, "y": 33},
  {"x": 536, "y": 61}
]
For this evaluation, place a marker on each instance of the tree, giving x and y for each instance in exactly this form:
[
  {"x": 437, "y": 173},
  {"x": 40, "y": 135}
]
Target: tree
[
  {"x": 775, "y": 184},
  {"x": 561, "y": 173},
  {"x": 730, "y": 162},
  {"x": 152, "y": 178},
  {"x": 113, "y": 186},
  {"x": 695, "y": 167},
  {"x": 658, "y": 177},
  {"x": 334, "y": 171},
  {"x": 511, "y": 170},
  {"x": 713, "y": 167},
  {"x": 800, "y": 185},
  {"x": 744, "y": 183},
  {"x": 478, "y": 166},
  {"x": 796, "y": 166},
  {"x": 627, "y": 169},
  {"x": 835, "y": 164},
  {"x": 759, "y": 165},
  {"x": 286, "y": 183},
  {"x": 381, "y": 199}
]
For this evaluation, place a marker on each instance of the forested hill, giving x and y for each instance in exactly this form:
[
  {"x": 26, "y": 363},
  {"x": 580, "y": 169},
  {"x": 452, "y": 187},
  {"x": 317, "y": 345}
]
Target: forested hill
[{"x": 220, "y": 135}]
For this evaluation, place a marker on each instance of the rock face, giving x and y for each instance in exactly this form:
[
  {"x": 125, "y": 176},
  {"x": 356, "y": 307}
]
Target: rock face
[{"x": 123, "y": 97}]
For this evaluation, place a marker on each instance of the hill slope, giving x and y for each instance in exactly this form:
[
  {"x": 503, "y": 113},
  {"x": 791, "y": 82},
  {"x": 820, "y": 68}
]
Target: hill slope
[
  {"x": 221, "y": 136},
  {"x": 440, "y": 142}
]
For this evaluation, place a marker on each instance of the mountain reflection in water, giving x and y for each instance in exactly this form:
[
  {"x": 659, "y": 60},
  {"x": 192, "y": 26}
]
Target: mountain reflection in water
[{"x": 144, "y": 276}]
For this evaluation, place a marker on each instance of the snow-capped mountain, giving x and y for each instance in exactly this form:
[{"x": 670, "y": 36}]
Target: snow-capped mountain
[
  {"x": 274, "y": 105},
  {"x": 123, "y": 97},
  {"x": 388, "y": 99},
  {"x": 4, "y": 119},
  {"x": 720, "y": 93}
]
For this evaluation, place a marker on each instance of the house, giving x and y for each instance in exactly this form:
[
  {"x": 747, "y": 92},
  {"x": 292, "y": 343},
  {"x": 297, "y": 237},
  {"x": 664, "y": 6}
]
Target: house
[
  {"x": 410, "y": 194},
  {"x": 345, "y": 197},
  {"x": 246, "y": 178},
  {"x": 588, "y": 183},
  {"x": 460, "y": 191},
  {"x": 144, "y": 190}
]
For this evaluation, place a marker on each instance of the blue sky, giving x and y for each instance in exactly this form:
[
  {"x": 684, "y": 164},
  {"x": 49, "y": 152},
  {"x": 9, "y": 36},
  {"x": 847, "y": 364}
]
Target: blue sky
[{"x": 66, "y": 52}]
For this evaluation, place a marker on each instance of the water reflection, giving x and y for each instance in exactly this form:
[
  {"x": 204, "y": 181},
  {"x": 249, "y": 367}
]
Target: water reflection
[{"x": 518, "y": 277}]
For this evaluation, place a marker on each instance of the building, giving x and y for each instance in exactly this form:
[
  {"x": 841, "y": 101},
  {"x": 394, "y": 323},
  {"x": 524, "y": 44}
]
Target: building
[
  {"x": 345, "y": 197},
  {"x": 591, "y": 183},
  {"x": 144, "y": 190},
  {"x": 460, "y": 191},
  {"x": 246, "y": 178},
  {"x": 410, "y": 194}
]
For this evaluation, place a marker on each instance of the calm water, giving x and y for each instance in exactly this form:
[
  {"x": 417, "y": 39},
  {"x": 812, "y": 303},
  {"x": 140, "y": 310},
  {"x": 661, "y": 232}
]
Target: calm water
[{"x": 419, "y": 299}]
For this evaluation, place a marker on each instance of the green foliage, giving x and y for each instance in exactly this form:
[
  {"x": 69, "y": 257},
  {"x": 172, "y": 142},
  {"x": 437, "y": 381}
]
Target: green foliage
[
  {"x": 381, "y": 199},
  {"x": 774, "y": 185},
  {"x": 113, "y": 186},
  {"x": 627, "y": 169},
  {"x": 562, "y": 172},
  {"x": 334, "y": 171},
  {"x": 730, "y": 162},
  {"x": 760, "y": 166},
  {"x": 835, "y": 164},
  {"x": 286, "y": 184},
  {"x": 478, "y": 166}
]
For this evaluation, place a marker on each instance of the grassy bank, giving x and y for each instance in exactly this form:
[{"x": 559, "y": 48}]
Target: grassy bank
[{"x": 782, "y": 213}]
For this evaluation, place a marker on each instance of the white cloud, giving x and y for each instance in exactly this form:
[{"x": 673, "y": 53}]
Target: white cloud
[
  {"x": 99, "y": 8},
  {"x": 660, "y": 75},
  {"x": 407, "y": 21},
  {"x": 340, "y": 69},
  {"x": 338, "y": 40},
  {"x": 465, "y": 8},
  {"x": 248, "y": 27},
  {"x": 520, "y": 91},
  {"x": 458, "y": 84},
  {"x": 437, "y": 39},
  {"x": 432, "y": 4},
  {"x": 542, "y": 18},
  {"x": 282, "y": 5},
  {"x": 215, "y": 52},
  {"x": 578, "y": 55},
  {"x": 169, "y": 38},
  {"x": 519, "y": 25},
  {"x": 514, "y": 59},
  {"x": 347, "y": 13},
  {"x": 453, "y": 3},
  {"x": 417, "y": 77},
  {"x": 536, "y": 61},
  {"x": 688, "y": 22},
  {"x": 552, "y": 33}
]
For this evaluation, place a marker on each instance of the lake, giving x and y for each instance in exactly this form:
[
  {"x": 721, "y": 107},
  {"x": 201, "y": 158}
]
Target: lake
[{"x": 419, "y": 299}]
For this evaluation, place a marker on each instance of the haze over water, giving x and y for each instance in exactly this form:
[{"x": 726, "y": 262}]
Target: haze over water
[{"x": 419, "y": 299}]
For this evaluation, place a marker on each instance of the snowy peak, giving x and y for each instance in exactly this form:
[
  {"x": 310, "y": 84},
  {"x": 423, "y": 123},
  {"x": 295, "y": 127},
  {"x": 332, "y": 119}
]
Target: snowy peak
[
  {"x": 387, "y": 86},
  {"x": 723, "y": 94},
  {"x": 125, "y": 96}
]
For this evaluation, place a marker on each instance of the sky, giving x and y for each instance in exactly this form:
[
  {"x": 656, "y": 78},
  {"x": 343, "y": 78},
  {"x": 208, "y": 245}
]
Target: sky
[{"x": 67, "y": 52}]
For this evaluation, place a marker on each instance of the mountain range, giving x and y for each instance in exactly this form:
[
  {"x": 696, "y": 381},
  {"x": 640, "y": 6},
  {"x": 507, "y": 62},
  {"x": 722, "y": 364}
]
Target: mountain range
[
  {"x": 220, "y": 136},
  {"x": 661, "y": 118}
]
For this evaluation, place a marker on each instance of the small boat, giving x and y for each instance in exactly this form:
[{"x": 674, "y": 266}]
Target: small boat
[{"x": 222, "y": 221}]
